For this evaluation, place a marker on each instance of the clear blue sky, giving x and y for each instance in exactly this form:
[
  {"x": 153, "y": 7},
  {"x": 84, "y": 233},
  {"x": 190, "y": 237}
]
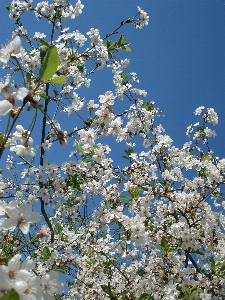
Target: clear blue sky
[{"x": 179, "y": 57}]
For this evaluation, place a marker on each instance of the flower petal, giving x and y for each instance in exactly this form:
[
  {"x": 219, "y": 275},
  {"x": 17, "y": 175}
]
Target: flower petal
[
  {"x": 21, "y": 93},
  {"x": 24, "y": 227},
  {"x": 5, "y": 107},
  {"x": 34, "y": 217},
  {"x": 9, "y": 224}
]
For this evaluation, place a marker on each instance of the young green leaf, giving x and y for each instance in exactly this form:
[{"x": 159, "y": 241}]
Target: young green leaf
[
  {"x": 164, "y": 246},
  {"x": 106, "y": 289},
  {"x": 46, "y": 253},
  {"x": 128, "y": 198},
  {"x": 58, "y": 228},
  {"x": 145, "y": 297},
  {"x": 8, "y": 7},
  {"x": 121, "y": 39},
  {"x": 12, "y": 295},
  {"x": 80, "y": 148},
  {"x": 28, "y": 77},
  {"x": 49, "y": 64},
  {"x": 198, "y": 252},
  {"x": 43, "y": 48},
  {"x": 126, "y": 48},
  {"x": 61, "y": 79},
  {"x": 135, "y": 192}
]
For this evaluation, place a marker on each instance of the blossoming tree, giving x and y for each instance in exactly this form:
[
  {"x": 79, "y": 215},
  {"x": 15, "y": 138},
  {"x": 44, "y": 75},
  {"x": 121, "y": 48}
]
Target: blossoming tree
[{"x": 150, "y": 228}]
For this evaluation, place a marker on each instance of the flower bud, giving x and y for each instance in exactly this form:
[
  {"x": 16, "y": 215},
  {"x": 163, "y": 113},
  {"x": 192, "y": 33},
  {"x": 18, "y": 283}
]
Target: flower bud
[{"x": 62, "y": 137}]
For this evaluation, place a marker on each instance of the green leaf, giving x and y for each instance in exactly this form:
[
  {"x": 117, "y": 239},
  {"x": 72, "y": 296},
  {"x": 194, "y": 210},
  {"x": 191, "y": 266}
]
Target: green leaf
[
  {"x": 124, "y": 75},
  {"x": 8, "y": 7},
  {"x": 124, "y": 293},
  {"x": 43, "y": 96},
  {"x": 44, "y": 46},
  {"x": 135, "y": 192},
  {"x": 222, "y": 267},
  {"x": 61, "y": 268},
  {"x": 46, "y": 253},
  {"x": 80, "y": 68},
  {"x": 86, "y": 160},
  {"x": 203, "y": 157},
  {"x": 129, "y": 151},
  {"x": 12, "y": 295},
  {"x": 61, "y": 79},
  {"x": 126, "y": 198},
  {"x": 145, "y": 297},
  {"x": 126, "y": 48},
  {"x": 123, "y": 156},
  {"x": 106, "y": 289},
  {"x": 28, "y": 76},
  {"x": 198, "y": 252},
  {"x": 58, "y": 228},
  {"x": 182, "y": 294},
  {"x": 49, "y": 64},
  {"x": 214, "y": 266},
  {"x": 164, "y": 246},
  {"x": 140, "y": 272},
  {"x": 112, "y": 46},
  {"x": 1, "y": 171},
  {"x": 191, "y": 292},
  {"x": 69, "y": 204},
  {"x": 76, "y": 182},
  {"x": 203, "y": 173},
  {"x": 121, "y": 39},
  {"x": 80, "y": 148},
  {"x": 148, "y": 106},
  {"x": 29, "y": 108},
  {"x": 108, "y": 43}
]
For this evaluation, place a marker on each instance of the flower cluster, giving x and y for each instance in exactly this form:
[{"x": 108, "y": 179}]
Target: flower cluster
[
  {"x": 19, "y": 276},
  {"x": 127, "y": 215}
]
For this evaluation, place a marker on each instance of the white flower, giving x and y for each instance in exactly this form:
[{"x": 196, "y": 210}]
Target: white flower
[
  {"x": 39, "y": 35},
  {"x": 21, "y": 93},
  {"x": 21, "y": 217},
  {"x": 5, "y": 107},
  {"x": 12, "y": 276},
  {"x": 32, "y": 291},
  {"x": 22, "y": 136},
  {"x": 211, "y": 116},
  {"x": 76, "y": 104},
  {"x": 144, "y": 18},
  {"x": 91, "y": 105},
  {"x": 43, "y": 232},
  {"x": 51, "y": 285},
  {"x": 17, "y": 276},
  {"x": 10, "y": 98},
  {"x": 46, "y": 145},
  {"x": 13, "y": 269},
  {"x": 5, "y": 283},
  {"x": 11, "y": 50},
  {"x": 4, "y": 205},
  {"x": 23, "y": 151},
  {"x": 198, "y": 110},
  {"x": 62, "y": 137},
  {"x": 107, "y": 98}
]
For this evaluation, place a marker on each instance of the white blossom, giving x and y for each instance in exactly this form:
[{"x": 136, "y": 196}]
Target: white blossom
[{"x": 21, "y": 217}]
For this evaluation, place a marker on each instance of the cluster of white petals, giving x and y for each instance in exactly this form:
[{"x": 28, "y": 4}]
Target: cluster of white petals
[
  {"x": 13, "y": 49},
  {"x": 127, "y": 215},
  {"x": 19, "y": 276}
]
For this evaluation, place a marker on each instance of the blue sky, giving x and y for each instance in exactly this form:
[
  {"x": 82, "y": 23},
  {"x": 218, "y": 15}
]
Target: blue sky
[{"x": 179, "y": 57}]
